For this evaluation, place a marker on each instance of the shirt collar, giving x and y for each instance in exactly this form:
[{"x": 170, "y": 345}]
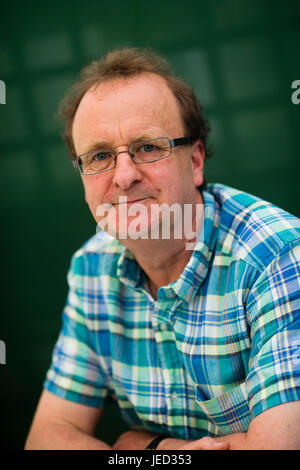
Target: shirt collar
[{"x": 186, "y": 286}]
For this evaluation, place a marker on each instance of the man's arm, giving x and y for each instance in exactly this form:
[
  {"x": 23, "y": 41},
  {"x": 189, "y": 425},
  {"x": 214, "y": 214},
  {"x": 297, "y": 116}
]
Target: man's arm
[
  {"x": 138, "y": 440},
  {"x": 275, "y": 429},
  {"x": 61, "y": 424}
]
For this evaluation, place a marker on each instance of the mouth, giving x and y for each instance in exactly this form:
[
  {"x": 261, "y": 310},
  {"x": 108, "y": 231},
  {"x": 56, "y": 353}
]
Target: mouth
[{"x": 134, "y": 201}]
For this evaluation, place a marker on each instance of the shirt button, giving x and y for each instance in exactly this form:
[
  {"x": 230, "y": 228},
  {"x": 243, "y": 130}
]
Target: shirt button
[
  {"x": 174, "y": 396},
  {"x": 163, "y": 327}
]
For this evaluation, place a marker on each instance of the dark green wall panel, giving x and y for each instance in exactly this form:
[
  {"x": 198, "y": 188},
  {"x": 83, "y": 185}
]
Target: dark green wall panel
[{"x": 241, "y": 58}]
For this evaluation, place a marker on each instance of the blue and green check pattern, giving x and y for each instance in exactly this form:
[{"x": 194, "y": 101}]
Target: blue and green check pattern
[{"x": 219, "y": 346}]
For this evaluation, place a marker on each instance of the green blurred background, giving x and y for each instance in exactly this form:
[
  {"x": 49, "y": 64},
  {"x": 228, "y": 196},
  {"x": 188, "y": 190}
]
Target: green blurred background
[{"x": 241, "y": 58}]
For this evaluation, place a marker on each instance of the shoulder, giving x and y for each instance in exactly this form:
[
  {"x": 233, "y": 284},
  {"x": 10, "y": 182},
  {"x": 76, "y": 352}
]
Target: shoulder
[
  {"x": 251, "y": 228},
  {"x": 98, "y": 256}
]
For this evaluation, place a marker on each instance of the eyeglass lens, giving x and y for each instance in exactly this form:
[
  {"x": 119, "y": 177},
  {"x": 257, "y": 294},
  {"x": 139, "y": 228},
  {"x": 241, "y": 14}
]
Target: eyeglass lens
[{"x": 141, "y": 152}]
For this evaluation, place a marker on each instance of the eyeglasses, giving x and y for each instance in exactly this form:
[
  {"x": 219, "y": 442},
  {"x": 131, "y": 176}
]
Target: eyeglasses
[{"x": 144, "y": 151}]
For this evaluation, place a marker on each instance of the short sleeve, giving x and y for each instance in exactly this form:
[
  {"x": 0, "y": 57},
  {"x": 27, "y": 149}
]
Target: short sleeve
[
  {"x": 75, "y": 372},
  {"x": 273, "y": 306}
]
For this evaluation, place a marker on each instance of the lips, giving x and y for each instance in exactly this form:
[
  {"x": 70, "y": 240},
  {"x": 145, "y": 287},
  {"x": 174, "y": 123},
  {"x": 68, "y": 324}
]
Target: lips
[
  {"x": 137, "y": 200},
  {"x": 131, "y": 201}
]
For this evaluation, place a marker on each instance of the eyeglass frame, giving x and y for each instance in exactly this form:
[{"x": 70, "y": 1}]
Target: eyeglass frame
[{"x": 172, "y": 143}]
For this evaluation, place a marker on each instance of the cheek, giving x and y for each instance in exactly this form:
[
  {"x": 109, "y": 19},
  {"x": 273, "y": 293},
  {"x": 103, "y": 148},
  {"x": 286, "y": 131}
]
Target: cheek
[
  {"x": 179, "y": 181},
  {"x": 93, "y": 190},
  {"x": 168, "y": 183},
  {"x": 165, "y": 172}
]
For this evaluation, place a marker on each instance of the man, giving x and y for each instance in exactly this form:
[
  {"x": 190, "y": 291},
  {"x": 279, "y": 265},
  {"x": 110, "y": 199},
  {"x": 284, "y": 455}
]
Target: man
[{"x": 199, "y": 347}]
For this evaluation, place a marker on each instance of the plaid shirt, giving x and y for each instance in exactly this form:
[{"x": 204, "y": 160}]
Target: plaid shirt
[{"x": 220, "y": 344}]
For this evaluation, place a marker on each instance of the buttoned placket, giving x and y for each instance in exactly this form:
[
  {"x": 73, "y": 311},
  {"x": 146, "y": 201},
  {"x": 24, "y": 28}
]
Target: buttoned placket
[{"x": 163, "y": 319}]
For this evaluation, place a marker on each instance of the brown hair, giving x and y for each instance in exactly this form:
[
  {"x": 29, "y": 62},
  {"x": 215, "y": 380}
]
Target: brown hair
[{"x": 130, "y": 62}]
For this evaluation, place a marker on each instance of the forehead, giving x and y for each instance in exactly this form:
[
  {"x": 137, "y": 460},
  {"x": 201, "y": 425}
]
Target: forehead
[{"x": 118, "y": 108}]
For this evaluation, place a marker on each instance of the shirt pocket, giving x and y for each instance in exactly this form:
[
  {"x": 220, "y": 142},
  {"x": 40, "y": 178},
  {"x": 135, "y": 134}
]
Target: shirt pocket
[{"x": 227, "y": 413}]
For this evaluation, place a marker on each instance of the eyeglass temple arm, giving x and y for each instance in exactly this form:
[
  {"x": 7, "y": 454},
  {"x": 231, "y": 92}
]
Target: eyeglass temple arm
[{"x": 180, "y": 141}]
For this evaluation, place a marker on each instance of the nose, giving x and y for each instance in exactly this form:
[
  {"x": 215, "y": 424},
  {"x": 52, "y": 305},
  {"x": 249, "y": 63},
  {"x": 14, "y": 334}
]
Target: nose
[{"x": 126, "y": 173}]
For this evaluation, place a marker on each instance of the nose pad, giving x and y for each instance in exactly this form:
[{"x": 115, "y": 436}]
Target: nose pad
[{"x": 131, "y": 155}]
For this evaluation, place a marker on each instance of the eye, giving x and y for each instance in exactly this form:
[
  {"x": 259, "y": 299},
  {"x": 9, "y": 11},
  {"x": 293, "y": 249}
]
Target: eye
[
  {"x": 148, "y": 148},
  {"x": 100, "y": 156}
]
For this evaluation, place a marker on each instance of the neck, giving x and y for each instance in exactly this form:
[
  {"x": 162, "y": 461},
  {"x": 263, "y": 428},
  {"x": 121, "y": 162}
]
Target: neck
[
  {"x": 163, "y": 263},
  {"x": 164, "y": 260}
]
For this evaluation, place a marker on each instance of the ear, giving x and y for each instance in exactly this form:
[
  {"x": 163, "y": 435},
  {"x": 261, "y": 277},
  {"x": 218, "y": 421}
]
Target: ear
[{"x": 198, "y": 156}]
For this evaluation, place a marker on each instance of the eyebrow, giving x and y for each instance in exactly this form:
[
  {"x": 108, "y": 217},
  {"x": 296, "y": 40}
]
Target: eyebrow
[{"x": 103, "y": 144}]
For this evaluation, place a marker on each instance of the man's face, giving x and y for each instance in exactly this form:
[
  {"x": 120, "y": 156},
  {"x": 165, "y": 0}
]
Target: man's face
[{"x": 120, "y": 112}]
